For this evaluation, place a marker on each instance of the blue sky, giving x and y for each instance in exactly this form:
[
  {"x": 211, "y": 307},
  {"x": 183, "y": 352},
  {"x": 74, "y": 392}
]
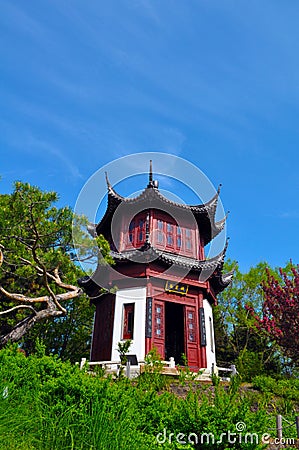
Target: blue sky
[{"x": 214, "y": 82}]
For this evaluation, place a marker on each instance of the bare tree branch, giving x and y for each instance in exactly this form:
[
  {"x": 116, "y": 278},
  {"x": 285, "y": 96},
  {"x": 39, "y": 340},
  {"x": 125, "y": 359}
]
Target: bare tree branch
[
  {"x": 54, "y": 277},
  {"x": 52, "y": 301},
  {"x": 7, "y": 311},
  {"x": 23, "y": 298},
  {"x": 25, "y": 325}
]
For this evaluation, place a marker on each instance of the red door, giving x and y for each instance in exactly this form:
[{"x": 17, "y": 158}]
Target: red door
[
  {"x": 192, "y": 338},
  {"x": 159, "y": 327}
]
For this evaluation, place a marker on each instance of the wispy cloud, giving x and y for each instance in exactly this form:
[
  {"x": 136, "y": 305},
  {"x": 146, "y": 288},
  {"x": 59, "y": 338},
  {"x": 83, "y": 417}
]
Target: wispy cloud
[
  {"x": 21, "y": 20},
  {"x": 38, "y": 148},
  {"x": 149, "y": 11},
  {"x": 55, "y": 152},
  {"x": 173, "y": 140},
  {"x": 294, "y": 214},
  {"x": 26, "y": 109}
]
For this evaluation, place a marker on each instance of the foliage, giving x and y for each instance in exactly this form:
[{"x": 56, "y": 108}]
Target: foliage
[
  {"x": 249, "y": 364},
  {"x": 225, "y": 349},
  {"x": 49, "y": 404},
  {"x": 123, "y": 348},
  {"x": 283, "y": 394},
  {"x": 36, "y": 239},
  {"x": 238, "y": 341},
  {"x": 185, "y": 373},
  {"x": 280, "y": 315},
  {"x": 152, "y": 371},
  {"x": 153, "y": 361},
  {"x": 284, "y": 387}
]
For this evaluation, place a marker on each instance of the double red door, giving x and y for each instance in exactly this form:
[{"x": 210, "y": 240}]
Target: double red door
[{"x": 175, "y": 331}]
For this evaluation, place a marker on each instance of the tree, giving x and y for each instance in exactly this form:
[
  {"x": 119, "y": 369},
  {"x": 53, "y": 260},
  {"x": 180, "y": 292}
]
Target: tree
[
  {"x": 38, "y": 273},
  {"x": 280, "y": 311},
  {"x": 238, "y": 340}
]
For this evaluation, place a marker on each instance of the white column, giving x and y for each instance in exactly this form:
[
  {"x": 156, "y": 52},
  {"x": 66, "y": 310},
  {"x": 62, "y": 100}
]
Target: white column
[
  {"x": 138, "y": 297},
  {"x": 210, "y": 348}
]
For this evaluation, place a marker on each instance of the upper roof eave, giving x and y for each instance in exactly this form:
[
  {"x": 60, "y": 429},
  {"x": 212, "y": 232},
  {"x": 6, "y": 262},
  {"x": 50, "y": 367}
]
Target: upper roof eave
[
  {"x": 151, "y": 191},
  {"x": 179, "y": 260},
  {"x": 203, "y": 213}
]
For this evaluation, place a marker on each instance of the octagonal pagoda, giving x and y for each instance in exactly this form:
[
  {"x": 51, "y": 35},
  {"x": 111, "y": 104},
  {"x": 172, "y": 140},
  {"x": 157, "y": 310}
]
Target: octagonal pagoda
[{"x": 165, "y": 286}]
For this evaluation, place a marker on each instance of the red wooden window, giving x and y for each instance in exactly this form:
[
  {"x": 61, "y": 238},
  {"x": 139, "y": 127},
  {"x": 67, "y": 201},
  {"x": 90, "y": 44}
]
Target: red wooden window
[
  {"x": 160, "y": 232},
  {"x": 188, "y": 240},
  {"x": 137, "y": 230},
  {"x": 140, "y": 231},
  {"x": 128, "y": 323},
  {"x": 170, "y": 235},
  {"x": 159, "y": 320},
  {"x": 132, "y": 232},
  {"x": 191, "y": 325},
  {"x": 173, "y": 237},
  {"x": 178, "y": 238}
]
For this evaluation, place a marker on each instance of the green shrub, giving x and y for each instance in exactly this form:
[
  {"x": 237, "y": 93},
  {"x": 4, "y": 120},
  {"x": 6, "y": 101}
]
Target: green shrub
[
  {"x": 249, "y": 364},
  {"x": 46, "y": 404},
  {"x": 286, "y": 388}
]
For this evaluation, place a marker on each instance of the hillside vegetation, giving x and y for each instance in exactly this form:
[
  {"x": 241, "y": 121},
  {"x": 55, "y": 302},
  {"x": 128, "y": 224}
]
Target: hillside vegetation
[{"x": 49, "y": 404}]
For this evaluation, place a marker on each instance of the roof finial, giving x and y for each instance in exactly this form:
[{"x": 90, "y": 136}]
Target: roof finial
[
  {"x": 150, "y": 175},
  {"x": 152, "y": 183}
]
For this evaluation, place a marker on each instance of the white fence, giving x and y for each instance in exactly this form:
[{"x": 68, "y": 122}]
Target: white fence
[{"x": 114, "y": 367}]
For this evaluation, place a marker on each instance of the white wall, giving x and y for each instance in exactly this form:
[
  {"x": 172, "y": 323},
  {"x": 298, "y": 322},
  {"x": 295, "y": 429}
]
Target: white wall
[
  {"x": 123, "y": 296},
  {"x": 211, "y": 355}
]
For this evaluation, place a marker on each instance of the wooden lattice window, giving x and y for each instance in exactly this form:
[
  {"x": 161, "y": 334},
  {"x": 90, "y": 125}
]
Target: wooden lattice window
[
  {"x": 159, "y": 320},
  {"x": 174, "y": 237},
  {"x": 170, "y": 234},
  {"x": 178, "y": 238},
  {"x": 191, "y": 324},
  {"x": 128, "y": 321},
  {"x": 188, "y": 239},
  {"x": 137, "y": 231}
]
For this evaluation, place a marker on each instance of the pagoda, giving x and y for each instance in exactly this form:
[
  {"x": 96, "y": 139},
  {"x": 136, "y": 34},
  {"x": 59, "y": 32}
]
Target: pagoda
[{"x": 164, "y": 286}]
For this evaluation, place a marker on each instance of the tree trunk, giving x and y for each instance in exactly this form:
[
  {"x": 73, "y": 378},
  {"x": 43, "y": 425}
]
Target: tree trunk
[{"x": 24, "y": 326}]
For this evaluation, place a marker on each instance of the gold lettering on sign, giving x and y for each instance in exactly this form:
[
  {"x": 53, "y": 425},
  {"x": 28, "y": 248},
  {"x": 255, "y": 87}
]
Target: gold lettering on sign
[{"x": 177, "y": 288}]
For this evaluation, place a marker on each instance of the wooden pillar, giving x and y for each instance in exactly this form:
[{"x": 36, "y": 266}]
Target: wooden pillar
[{"x": 279, "y": 426}]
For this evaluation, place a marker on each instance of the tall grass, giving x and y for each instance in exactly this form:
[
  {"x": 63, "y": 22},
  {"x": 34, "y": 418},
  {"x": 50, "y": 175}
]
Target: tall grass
[{"x": 47, "y": 404}]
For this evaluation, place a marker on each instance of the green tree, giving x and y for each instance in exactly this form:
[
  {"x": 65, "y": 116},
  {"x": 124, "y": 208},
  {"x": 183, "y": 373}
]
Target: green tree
[
  {"x": 238, "y": 340},
  {"x": 280, "y": 311},
  {"x": 39, "y": 296}
]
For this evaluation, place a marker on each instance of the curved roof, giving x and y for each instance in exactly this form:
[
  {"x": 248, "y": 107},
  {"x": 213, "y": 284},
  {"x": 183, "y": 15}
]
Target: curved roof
[
  {"x": 152, "y": 192},
  {"x": 150, "y": 197},
  {"x": 148, "y": 253}
]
